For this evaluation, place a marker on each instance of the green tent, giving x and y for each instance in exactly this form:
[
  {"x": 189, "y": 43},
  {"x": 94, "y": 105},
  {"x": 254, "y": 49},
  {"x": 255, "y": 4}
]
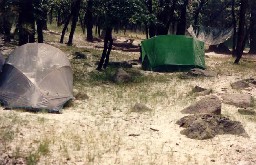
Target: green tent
[{"x": 172, "y": 53}]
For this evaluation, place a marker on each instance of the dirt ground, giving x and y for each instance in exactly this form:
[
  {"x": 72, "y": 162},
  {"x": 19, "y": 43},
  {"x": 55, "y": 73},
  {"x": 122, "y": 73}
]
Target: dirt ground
[{"x": 101, "y": 129}]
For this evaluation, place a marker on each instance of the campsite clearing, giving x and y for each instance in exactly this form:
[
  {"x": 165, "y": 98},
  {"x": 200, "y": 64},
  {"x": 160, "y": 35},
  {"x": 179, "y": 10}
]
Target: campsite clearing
[{"x": 103, "y": 128}]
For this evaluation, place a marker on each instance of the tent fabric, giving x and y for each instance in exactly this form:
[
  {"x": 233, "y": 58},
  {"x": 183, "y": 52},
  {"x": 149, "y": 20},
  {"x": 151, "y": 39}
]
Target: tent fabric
[
  {"x": 210, "y": 35},
  {"x": 36, "y": 76},
  {"x": 172, "y": 52}
]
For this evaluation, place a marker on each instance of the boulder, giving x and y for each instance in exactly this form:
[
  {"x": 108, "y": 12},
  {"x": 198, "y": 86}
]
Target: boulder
[
  {"x": 240, "y": 84},
  {"x": 79, "y": 55},
  {"x": 121, "y": 76},
  {"x": 197, "y": 90},
  {"x": 196, "y": 72},
  {"x": 206, "y": 126},
  {"x": 239, "y": 100},
  {"x": 139, "y": 107},
  {"x": 247, "y": 111},
  {"x": 207, "y": 105},
  {"x": 79, "y": 95}
]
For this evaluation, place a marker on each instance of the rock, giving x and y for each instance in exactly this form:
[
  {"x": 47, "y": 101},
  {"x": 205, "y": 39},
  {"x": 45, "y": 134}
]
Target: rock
[
  {"x": 199, "y": 129},
  {"x": 242, "y": 84},
  {"x": 206, "y": 126},
  {"x": 79, "y": 55},
  {"x": 136, "y": 42},
  {"x": 201, "y": 91},
  {"x": 139, "y": 108},
  {"x": 196, "y": 72},
  {"x": 81, "y": 96},
  {"x": 198, "y": 89},
  {"x": 239, "y": 100},
  {"x": 121, "y": 39},
  {"x": 208, "y": 105},
  {"x": 221, "y": 49},
  {"x": 122, "y": 76},
  {"x": 75, "y": 91},
  {"x": 207, "y": 92},
  {"x": 123, "y": 64},
  {"x": 247, "y": 111}
]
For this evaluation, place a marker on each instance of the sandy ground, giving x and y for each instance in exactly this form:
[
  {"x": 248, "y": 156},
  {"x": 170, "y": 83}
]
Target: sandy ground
[{"x": 102, "y": 130}]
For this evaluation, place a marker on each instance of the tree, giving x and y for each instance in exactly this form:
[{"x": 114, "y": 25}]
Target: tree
[
  {"x": 241, "y": 31},
  {"x": 198, "y": 10},
  {"x": 234, "y": 22},
  {"x": 253, "y": 28},
  {"x": 26, "y": 22},
  {"x": 181, "y": 27},
  {"x": 75, "y": 11},
  {"x": 152, "y": 28},
  {"x": 89, "y": 20},
  {"x": 117, "y": 13},
  {"x": 165, "y": 16},
  {"x": 75, "y": 8},
  {"x": 6, "y": 19},
  {"x": 40, "y": 7}
]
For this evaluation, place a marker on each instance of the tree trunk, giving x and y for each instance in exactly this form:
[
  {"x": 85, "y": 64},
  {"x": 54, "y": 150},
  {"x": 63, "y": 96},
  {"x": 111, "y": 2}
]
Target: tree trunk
[
  {"x": 162, "y": 18},
  {"x": 41, "y": 19},
  {"x": 172, "y": 12},
  {"x": 146, "y": 30},
  {"x": 108, "y": 42},
  {"x": 234, "y": 27},
  {"x": 181, "y": 27},
  {"x": 44, "y": 20},
  {"x": 89, "y": 21},
  {"x": 7, "y": 29},
  {"x": 197, "y": 12},
  {"x": 165, "y": 17},
  {"x": 50, "y": 15},
  {"x": 40, "y": 37},
  {"x": 82, "y": 24},
  {"x": 152, "y": 28},
  {"x": 75, "y": 13},
  {"x": 253, "y": 29},
  {"x": 58, "y": 18},
  {"x": 64, "y": 29},
  {"x": 26, "y": 22},
  {"x": 241, "y": 31}
]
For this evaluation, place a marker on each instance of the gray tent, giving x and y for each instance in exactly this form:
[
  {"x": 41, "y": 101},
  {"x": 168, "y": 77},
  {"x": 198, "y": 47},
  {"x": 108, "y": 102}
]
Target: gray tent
[{"x": 36, "y": 76}]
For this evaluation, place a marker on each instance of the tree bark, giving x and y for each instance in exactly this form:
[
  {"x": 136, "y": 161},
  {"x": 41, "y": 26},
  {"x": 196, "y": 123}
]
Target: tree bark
[
  {"x": 58, "y": 18},
  {"x": 253, "y": 29},
  {"x": 44, "y": 19},
  {"x": 234, "y": 27},
  {"x": 197, "y": 12},
  {"x": 7, "y": 29},
  {"x": 26, "y": 22},
  {"x": 40, "y": 37},
  {"x": 146, "y": 30},
  {"x": 181, "y": 27},
  {"x": 165, "y": 17},
  {"x": 241, "y": 31},
  {"x": 75, "y": 13},
  {"x": 82, "y": 24},
  {"x": 89, "y": 21},
  {"x": 152, "y": 28},
  {"x": 108, "y": 42},
  {"x": 50, "y": 15},
  {"x": 65, "y": 28}
]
